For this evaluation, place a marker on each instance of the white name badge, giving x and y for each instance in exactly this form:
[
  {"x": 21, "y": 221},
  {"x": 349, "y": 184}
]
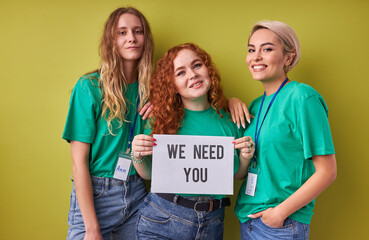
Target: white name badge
[
  {"x": 122, "y": 168},
  {"x": 251, "y": 184}
]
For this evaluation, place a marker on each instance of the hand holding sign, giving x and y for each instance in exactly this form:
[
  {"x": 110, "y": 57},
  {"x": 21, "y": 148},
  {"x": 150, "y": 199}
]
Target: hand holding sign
[
  {"x": 246, "y": 146},
  {"x": 142, "y": 145}
]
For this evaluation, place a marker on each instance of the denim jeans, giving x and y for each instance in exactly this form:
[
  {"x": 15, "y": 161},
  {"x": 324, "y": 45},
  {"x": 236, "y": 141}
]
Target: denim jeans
[
  {"x": 162, "y": 219},
  {"x": 116, "y": 204},
  {"x": 256, "y": 229}
]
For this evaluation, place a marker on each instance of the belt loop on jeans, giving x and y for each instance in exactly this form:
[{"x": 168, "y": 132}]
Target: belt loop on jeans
[
  {"x": 175, "y": 199},
  {"x": 106, "y": 185},
  {"x": 211, "y": 203}
]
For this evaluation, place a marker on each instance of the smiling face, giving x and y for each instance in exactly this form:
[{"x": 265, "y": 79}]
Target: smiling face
[
  {"x": 130, "y": 37},
  {"x": 266, "y": 58},
  {"x": 191, "y": 80}
]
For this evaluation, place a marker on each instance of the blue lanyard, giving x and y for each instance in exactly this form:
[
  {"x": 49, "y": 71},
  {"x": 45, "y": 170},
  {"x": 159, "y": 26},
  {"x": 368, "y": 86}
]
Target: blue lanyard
[
  {"x": 132, "y": 126},
  {"x": 257, "y": 132}
]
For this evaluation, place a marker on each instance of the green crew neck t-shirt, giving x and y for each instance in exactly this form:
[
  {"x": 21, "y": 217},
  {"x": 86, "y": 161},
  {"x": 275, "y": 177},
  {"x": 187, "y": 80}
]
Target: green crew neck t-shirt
[
  {"x": 295, "y": 129},
  {"x": 86, "y": 124}
]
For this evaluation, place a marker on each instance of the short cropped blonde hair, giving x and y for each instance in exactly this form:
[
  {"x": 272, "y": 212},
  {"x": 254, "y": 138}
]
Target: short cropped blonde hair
[{"x": 285, "y": 34}]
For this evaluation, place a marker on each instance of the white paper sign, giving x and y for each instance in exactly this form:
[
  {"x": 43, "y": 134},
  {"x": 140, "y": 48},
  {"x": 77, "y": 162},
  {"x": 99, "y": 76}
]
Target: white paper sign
[{"x": 192, "y": 164}]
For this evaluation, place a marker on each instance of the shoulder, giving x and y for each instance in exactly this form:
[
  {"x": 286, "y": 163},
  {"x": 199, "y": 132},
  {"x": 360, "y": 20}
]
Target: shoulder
[
  {"x": 304, "y": 96},
  {"x": 89, "y": 81},
  {"x": 255, "y": 102},
  {"x": 224, "y": 112},
  {"x": 88, "y": 84},
  {"x": 302, "y": 91}
]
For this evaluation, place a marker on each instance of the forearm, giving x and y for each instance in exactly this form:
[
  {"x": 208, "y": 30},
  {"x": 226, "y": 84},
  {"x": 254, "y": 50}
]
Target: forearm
[
  {"x": 144, "y": 168},
  {"x": 243, "y": 168},
  {"x": 325, "y": 174},
  {"x": 84, "y": 193},
  {"x": 83, "y": 185}
]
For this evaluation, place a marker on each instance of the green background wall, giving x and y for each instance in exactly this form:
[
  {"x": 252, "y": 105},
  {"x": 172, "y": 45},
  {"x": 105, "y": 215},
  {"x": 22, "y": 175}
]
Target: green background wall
[{"x": 46, "y": 45}]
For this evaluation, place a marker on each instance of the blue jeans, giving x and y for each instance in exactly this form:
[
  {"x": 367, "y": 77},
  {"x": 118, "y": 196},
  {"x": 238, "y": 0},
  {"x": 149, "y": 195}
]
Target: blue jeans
[
  {"x": 162, "y": 219},
  {"x": 116, "y": 203},
  {"x": 256, "y": 229}
]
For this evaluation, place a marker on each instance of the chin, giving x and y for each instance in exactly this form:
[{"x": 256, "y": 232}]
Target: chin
[{"x": 258, "y": 78}]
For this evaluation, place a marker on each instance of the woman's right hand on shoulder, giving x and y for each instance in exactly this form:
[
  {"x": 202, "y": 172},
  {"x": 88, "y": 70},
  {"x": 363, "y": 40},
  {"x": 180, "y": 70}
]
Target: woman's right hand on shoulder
[
  {"x": 146, "y": 111},
  {"x": 142, "y": 145}
]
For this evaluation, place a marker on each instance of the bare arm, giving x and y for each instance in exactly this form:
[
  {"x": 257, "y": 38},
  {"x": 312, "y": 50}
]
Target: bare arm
[
  {"x": 83, "y": 187},
  {"x": 142, "y": 146},
  {"x": 325, "y": 174},
  {"x": 247, "y": 149}
]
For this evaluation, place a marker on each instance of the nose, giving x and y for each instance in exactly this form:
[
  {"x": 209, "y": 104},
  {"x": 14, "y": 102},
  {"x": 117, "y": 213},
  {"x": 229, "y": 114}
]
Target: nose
[
  {"x": 131, "y": 36},
  {"x": 192, "y": 74},
  {"x": 257, "y": 56}
]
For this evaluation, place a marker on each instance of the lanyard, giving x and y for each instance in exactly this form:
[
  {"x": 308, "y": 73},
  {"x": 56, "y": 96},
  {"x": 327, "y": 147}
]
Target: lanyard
[
  {"x": 132, "y": 126},
  {"x": 257, "y": 131}
]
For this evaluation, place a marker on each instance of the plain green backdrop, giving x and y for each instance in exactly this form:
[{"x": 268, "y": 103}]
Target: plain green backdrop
[{"x": 46, "y": 45}]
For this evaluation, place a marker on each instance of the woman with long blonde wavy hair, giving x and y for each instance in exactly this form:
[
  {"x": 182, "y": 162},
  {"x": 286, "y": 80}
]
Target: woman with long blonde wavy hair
[
  {"x": 187, "y": 100},
  {"x": 102, "y": 120}
]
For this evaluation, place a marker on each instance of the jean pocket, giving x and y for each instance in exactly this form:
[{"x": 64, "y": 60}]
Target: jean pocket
[
  {"x": 98, "y": 190},
  {"x": 154, "y": 215},
  {"x": 286, "y": 225}
]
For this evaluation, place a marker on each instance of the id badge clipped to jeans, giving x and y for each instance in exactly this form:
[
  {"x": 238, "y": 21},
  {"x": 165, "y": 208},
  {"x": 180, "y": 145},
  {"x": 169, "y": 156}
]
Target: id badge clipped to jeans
[
  {"x": 252, "y": 178},
  {"x": 123, "y": 166}
]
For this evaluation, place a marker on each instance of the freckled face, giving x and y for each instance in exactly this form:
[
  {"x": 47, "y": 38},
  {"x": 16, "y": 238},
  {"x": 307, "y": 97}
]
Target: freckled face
[
  {"x": 191, "y": 77},
  {"x": 129, "y": 37},
  {"x": 265, "y": 57}
]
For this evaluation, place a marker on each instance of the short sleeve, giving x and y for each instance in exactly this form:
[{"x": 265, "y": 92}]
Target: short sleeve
[
  {"x": 147, "y": 129},
  {"x": 314, "y": 127},
  {"x": 84, "y": 108}
]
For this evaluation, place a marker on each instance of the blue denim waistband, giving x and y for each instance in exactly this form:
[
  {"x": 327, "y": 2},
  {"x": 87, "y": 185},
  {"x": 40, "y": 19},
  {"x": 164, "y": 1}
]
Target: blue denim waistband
[{"x": 104, "y": 181}]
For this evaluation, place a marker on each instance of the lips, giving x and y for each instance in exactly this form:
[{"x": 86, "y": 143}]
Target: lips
[
  {"x": 132, "y": 47},
  {"x": 196, "y": 84}
]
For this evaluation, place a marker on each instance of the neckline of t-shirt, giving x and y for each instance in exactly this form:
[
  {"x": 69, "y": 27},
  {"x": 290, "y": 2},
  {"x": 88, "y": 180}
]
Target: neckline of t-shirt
[
  {"x": 287, "y": 86},
  {"x": 201, "y": 111}
]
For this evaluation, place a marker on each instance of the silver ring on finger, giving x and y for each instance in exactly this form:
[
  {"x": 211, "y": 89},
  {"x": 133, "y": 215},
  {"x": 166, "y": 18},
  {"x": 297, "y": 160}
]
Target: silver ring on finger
[{"x": 139, "y": 154}]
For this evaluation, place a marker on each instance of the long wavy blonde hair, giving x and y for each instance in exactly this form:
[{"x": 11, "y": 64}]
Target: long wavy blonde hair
[{"x": 112, "y": 80}]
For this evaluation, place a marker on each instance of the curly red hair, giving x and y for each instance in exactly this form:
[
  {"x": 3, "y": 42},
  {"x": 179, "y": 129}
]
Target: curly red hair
[{"x": 167, "y": 105}]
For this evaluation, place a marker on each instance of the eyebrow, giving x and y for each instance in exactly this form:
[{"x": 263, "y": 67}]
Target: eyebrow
[
  {"x": 123, "y": 27},
  {"x": 263, "y": 44},
  {"x": 182, "y": 67}
]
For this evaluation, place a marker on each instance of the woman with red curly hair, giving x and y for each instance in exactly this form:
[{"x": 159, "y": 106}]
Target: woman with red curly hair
[{"x": 187, "y": 100}]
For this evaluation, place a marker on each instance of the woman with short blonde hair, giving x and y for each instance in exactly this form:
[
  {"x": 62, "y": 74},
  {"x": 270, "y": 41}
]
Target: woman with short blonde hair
[{"x": 294, "y": 154}]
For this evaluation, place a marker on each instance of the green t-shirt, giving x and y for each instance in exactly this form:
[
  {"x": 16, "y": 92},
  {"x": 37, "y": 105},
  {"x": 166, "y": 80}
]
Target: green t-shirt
[
  {"x": 295, "y": 129},
  {"x": 85, "y": 124},
  {"x": 209, "y": 123}
]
